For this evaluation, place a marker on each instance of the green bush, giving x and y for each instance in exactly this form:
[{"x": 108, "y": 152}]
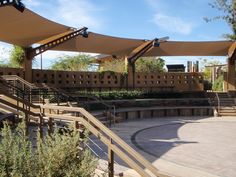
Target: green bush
[
  {"x": 56, "y": 155},
  {"x": 114, "y": 94}
]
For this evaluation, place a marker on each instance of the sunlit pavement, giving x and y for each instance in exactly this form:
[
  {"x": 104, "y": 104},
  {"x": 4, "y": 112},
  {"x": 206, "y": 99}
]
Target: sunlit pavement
[{"x": 203, "y": 146}]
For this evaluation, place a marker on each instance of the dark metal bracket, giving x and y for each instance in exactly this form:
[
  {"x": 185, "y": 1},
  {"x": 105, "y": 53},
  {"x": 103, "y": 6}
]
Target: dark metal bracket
[{"x": 32, "y": 52}]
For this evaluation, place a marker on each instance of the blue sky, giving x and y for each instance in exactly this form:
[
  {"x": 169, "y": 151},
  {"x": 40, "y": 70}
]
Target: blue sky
[{"x": 181, "y": 20}]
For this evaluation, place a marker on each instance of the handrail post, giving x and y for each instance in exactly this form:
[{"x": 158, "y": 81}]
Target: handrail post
[
  {"x": 218, "y": 104},
  {"x": 109, "y": 116},
  {"x": 114, "y": 113},
  {"x": 41, "y": 126},
  {"x": 110, "y": 161},
  {"x": 50, "y": 126}
]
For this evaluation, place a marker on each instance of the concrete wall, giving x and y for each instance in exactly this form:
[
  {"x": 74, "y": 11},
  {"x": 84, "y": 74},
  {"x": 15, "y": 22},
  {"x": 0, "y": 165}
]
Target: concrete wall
[
  {"x": 95, "y": 80},
  {"x": 165, "y": 112}
]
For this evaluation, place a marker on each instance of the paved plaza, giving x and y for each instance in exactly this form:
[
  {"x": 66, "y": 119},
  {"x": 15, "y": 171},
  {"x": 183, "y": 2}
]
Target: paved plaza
[{"x": 189, "y": 147}]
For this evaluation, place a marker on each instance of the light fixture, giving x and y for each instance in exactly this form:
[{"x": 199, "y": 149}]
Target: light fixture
[
  {"x": 15, "y": 3},
  {"x": 157, "y": 41},
  {"x": 85, "y": 33},
  {"x": 19, "y": 5}
]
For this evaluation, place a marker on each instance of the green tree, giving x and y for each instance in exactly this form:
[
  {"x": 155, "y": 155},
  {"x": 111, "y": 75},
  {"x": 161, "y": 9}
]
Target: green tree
[
  {"x": 207, "y": 71},
  {"x": 143, "y": 64},
  {"x": 150, "y": 64},
  {"x": 218, "y": 84},
  {"x": 73, "y": 63},
  {"x": 228, "y": 8},
  {"x": 116, "y": 65},
  {"x": 16, "y": 57}
]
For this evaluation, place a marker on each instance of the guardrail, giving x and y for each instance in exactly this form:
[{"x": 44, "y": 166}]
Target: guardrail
[
  {"x": 79, "y": 115},
  {"x": 218, "y": 104},
  {"x": 28, "y": 91}
]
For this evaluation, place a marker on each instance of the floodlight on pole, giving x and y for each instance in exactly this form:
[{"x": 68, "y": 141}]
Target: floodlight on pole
[{"x": 15, "y": 3}]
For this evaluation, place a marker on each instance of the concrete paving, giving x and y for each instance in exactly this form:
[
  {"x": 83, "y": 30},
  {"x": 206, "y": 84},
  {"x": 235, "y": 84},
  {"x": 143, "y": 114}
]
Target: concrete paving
[{"x": 185, "y": 147}]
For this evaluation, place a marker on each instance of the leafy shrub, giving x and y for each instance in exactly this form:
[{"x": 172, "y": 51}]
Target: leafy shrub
[
  {"x": 114, "y": 94},
  {"x": 56, "y": 155}
]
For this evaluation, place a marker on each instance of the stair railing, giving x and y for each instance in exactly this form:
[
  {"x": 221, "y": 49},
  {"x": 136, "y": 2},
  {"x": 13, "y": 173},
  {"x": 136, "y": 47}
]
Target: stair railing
[
  {"x": 218, "y": 103},
  {"x": 114, "y": 143}
]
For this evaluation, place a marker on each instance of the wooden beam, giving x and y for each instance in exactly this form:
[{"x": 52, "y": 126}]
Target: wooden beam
[
  {"x": 231, "y": 50},
  {"x": 140, "y": 50}
]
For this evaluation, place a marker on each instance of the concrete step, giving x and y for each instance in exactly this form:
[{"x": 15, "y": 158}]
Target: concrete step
[{"x": 227, "y": 114}]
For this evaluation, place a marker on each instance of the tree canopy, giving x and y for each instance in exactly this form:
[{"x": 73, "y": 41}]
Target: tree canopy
[
  {"x": 79, "y": 62},
  {"x": 143, "y": 64},
  {"x": 116, "y": 65},
  {"x": 150, "y": 64},
  {"x": 16, "y": 57},
  {"x": 228, "y": 8},
  {"x": 217, "y": 84}
]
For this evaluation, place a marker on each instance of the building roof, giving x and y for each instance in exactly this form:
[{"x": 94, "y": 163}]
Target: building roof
[{"x": 175, "y": 66}]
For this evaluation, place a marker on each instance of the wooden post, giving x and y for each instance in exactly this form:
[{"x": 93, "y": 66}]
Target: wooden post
[
  {"x": 110, "y": 161},
  {"x": 41, "y": 126},
  {"x": 131, "y": 75},
  {"x": 50, "y": 126},
  {"x": 27, "y": 66},
  {"x": 126, "y": 64},
  {"x": 26, "y": 123},
  {"x": 231, "y": 74}
]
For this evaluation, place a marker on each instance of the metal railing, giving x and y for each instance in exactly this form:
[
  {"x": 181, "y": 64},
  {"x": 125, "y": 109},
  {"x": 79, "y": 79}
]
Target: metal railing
[
  {"x": 28, "y": 90},
  {"x": 80, "y": 116},
  {"x": 218, "y": 104}
]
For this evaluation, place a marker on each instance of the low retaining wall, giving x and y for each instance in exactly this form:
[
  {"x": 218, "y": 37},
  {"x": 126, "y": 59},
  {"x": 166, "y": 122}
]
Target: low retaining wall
[{"x": 140, "y": 113}]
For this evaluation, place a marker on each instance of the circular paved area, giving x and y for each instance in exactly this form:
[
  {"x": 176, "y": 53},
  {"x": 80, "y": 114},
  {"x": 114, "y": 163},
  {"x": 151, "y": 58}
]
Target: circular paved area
[{"x": 207, "y": 146}]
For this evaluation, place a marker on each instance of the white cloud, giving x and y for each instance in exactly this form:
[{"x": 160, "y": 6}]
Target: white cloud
[
  {"x": 31, "y": 3},
  {"x": 173, "y": 24},
  {"x": 5, "y": 51},
  {"x": 77, "y": 13}
]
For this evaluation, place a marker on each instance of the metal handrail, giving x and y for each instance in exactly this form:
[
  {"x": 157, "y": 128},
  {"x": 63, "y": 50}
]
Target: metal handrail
[
  {"x": 29, "y": 89},
  {"x": 111, "y": 110},
  {"x": 55, "y": 91},
  {"x": 102, "y": 132},
  {"x": 110, "y": 139},
  {"x": 15, "y": 77},
  {"x": 218, "y": 104}
]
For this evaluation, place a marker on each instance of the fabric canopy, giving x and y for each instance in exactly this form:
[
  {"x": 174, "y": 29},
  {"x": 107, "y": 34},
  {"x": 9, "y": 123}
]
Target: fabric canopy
[
  {"x": 178, "y": 48},
  {"x": 27, "y": 28},
  {"x": 98, "y": 43},
  {"x": 120, "y": 47}
]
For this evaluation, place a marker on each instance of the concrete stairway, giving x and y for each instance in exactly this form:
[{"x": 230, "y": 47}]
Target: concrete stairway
[
  {"x": 107, "y": 118},
  {"x": 227, "y": 105}
]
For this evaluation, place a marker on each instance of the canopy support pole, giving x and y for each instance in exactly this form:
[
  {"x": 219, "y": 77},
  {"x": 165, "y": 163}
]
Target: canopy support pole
[
  {"x": 231, "y": 73},
  {"x": 133, "y": 56},
  {"x": 230, "y": 78},
  {"x": 27, "y": 66},
  {"x": 131, "y": 75}
]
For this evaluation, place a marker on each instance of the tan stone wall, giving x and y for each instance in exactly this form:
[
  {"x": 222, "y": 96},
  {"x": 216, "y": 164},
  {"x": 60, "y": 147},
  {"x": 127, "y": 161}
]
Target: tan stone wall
[
  {"x": 95, "y": 80},
  {"x": 77, "y": 79},
  {"x": 12, "y": 71},
  {"x": 170, "y": 81}
]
